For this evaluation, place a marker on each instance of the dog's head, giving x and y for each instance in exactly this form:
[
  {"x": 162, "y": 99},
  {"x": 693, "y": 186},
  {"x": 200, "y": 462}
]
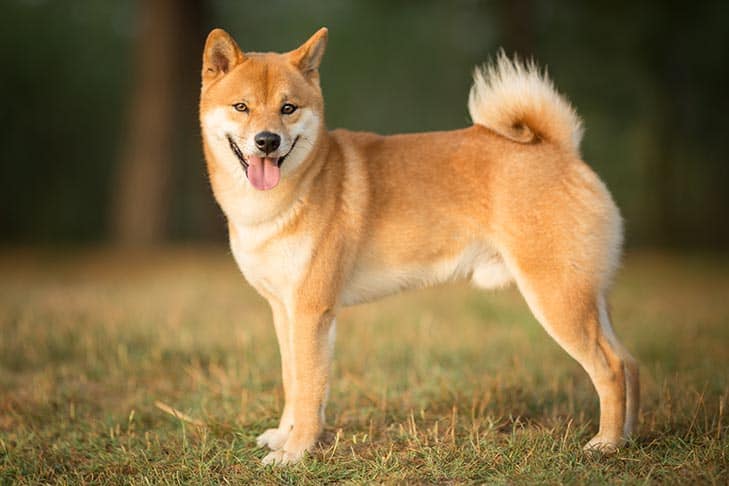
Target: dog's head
[{"x": 261, "y": 113}]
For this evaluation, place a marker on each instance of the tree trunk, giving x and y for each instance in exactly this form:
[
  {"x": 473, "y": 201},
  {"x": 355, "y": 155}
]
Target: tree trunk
[{"x": 140, "y": 206}]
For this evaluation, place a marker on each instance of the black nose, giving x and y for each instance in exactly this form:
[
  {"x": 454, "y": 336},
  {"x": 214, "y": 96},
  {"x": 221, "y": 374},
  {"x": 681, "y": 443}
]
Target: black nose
[{"x": 267, "y": 141}]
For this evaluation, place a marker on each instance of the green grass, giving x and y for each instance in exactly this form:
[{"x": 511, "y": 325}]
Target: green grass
[{"x": 449, "y": 385}]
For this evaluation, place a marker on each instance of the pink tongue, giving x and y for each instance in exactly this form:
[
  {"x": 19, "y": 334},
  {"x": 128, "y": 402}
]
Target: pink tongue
[{"x": 263, "y": 173}]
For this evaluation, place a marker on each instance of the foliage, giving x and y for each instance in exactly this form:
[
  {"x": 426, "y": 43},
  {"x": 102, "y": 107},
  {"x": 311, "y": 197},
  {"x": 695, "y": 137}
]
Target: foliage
[{"x": 649, "y": 78}]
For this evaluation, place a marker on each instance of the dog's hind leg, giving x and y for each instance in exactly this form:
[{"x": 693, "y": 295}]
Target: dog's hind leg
[
  {"x": 574, "y": 313},
  {"x": 631, "y": 369}
]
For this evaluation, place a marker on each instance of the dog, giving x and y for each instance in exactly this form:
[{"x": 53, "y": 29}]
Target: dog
[{"x": 322, "y": 219}]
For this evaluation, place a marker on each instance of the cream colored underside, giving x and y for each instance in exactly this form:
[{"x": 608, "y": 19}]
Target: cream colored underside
[{"x": 477, "y": 263}]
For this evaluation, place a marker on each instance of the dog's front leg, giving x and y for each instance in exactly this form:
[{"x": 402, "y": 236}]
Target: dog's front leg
[
  {"x": 312, "y": 352},
  {"x": 275, "y": 438}
]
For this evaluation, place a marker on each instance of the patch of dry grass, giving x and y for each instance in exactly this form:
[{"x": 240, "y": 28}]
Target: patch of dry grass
[{"x": 163, "y": 367}]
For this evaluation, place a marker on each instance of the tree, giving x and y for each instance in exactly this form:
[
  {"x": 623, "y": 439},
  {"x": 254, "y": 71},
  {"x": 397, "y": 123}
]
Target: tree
[{"x": 142, "y": 186}]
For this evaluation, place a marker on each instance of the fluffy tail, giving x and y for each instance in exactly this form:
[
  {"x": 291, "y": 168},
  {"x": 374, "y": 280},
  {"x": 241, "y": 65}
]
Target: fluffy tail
[{"x": 520, "y": 102}]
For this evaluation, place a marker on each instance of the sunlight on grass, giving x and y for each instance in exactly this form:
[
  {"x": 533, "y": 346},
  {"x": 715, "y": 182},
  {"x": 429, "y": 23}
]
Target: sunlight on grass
[{"x": 447, "y": 384}]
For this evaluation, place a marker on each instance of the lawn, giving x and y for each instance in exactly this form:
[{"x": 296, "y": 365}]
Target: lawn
[{"x": 162, "y": 367}]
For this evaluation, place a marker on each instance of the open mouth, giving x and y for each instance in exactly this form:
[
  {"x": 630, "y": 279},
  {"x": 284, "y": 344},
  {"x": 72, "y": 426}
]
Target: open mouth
[
  {"x": 263, "y": 172},
  {"x": 236, "y": 150}
]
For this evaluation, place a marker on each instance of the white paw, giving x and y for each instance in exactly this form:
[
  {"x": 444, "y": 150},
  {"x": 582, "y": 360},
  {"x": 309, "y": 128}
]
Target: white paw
[
  {"x": 282, "y": 457},
  {"x": 602, "y": 445},
  {"x": 273, "y": 438}
]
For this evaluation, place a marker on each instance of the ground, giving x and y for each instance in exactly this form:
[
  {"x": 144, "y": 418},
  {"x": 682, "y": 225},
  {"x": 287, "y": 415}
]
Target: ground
[{"x": 162, "y": 367}]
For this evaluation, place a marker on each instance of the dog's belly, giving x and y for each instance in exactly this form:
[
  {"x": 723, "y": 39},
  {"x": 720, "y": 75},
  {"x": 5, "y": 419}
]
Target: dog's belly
[{"x": 478, "y": 263}]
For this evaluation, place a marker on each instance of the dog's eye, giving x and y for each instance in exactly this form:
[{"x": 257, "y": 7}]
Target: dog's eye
[
  {"x": 242, "y": 107},
  {"x": 288, "y": 108}
]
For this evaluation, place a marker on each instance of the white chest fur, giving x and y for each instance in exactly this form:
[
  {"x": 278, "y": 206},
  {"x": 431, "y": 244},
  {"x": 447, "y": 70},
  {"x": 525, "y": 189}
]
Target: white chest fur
[{"x": 273, "y": 261}]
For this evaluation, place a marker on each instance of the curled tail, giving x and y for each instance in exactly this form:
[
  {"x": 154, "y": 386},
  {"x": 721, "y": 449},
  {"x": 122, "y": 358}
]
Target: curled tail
[{"x": 519, "y": 102}]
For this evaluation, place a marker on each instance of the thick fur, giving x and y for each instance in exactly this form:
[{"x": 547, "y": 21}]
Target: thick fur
[
  {"x": 519, "y": 102},
  {"x": 357, "y": 216}
]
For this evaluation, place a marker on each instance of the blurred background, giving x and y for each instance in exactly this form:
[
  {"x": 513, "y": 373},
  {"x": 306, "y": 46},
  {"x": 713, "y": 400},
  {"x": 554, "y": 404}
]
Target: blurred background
[
  {"x": 100, "y": 140},
  {"x": 119, "y": 302}
]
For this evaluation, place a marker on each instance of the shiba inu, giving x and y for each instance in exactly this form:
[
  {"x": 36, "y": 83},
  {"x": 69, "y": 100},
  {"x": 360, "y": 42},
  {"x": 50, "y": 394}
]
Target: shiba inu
[{"x": 319, "y": 220}]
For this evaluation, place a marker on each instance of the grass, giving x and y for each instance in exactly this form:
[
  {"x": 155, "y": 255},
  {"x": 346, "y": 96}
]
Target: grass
[{"x": 449, "y": 385}]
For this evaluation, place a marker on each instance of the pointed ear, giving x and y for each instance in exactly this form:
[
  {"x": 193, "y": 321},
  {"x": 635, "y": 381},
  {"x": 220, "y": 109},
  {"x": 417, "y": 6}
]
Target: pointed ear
[
  {"x": 308, "y": 57},
  {"x": 221, "y": 54}
]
